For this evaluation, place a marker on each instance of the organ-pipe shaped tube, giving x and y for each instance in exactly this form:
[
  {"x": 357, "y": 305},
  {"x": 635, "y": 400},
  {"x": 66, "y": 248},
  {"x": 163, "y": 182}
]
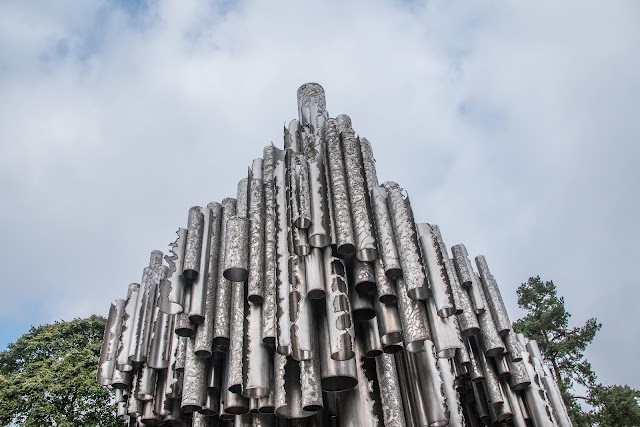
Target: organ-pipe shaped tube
[
  {"x": 390, "y": 394},
  {"x": 491, "y": 380},
  {"x": 110, "y": 342},
  {"x": 223, "y": 291},
  {"x": 468, "y": 277},
  {"x": 242, "y": 198},
  {"x": 384, "y": 228},
  {"x": 269, "y": 302},
  {"x": 493, "y": 297},
  {"x": 389, "y": 326},
  {"x": 345, "y": 240},
  {"x": 314, "y": 268},
  {"x": 435, "y": 265},
  {"x": 432, "y": 385},
  {"x": 517, "y": 417},
  {"x": 535, "y": 396},
  {"x": 369, "y": 164},
  {"x": 406, "y": 242},
  {"x": 455, "y": 414},
  {"x": 231, "y": 403},
  {"x": 443, "y": 330},
  {"x": 367, "y": 332},
  {"x": 256, "y": 235},
  {"x": 193, "y": 383},
  {"x": 288, "y": 392},
  {"x": 161, "y": 340},
  {"x": 146, "y": 383},
  {"x": 365, "y": 239},
  {"x": 122, "y": 379},
  {"x": 193, "y": 248},
  {"x": 361, "y": 305},
  {"x": 386, "y": 289},
  {"x": 235, "y": 359},
  {"x": 364, "y": 277},
  {"x": 338, "y": 308},
  {"x": 413, "y": 317},
  {"x": 283, "y": 286},
  {"x": 204, "y": 333},
  {"x": 300, "y": 311},
  {"x": 513, "y": 347},
  {"x": 555, "y": 399},
  {"x": 181, "y": 354},
  {"x": 236, "y": 257},
  {"x": 127, "y": 328},
  {"x": 149, "y": 417},
  {"x": 491, "y": 341},
  {"x": 139, "y": 349},
  {"x": 412, "y": 391},
  {"x": 310, "y": 384},
  {"x": 171, "y": 293},
  {"x": 199, "y": 289},
  {"x": 469, "y": 325},
  {"x": 256, "y": 366},
  {"x": 300, "y": 196},
  {"x": 184, "y": 327}
]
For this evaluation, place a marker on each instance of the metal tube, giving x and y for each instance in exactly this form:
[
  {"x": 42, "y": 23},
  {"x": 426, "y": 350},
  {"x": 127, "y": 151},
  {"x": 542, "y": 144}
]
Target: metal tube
[
  {"x": 110, "y": 343},
  {"x": 161, "y": 339},
  {"x": 455, "y": 414},
  {"x": 282, "y": 257},
  {"x": 171, "y": 293},
  {"x": 435, "y": 265},
  {"x": 139, "y": 349},
  {"x": 433, "y": 396},
  {"x": 389, "y": 326},
  {"x": 199, "y": 290},
  {"x": 147, "y": 383},
  {"x": 493, "y": 297},
  {"x": 443, "y": 330},
  {"x": 193, "y": 384},
  {"x": 300, "y": 197},
  {"x": 193, "y": 248},
  {"x": 367, "y": 332},
  {"x": 242, "y": 198},
  {"x": 310, "y": 384},
  {"x": 338, "y": 308},
  {"x": 413, "y": 317},
  {"x": 300, "y": 311},
  {"x": 345, "y": 240},
  {"x": 361, "y": 305},
  {"x": 269, "y": 303},
  {"x": 314, "y": 267},
  {"x": 517, "y": 417},
  {"x": 390, "y": 394},
  {"x": 223, "y": 291},
  {"x": 491, "y": 342},
  {"x": 127, "y": 328},
  {"x": 386, "y": 289},
  {"x": 236, "y": 257},
  {"x": 184, "y": 327},
  {"x": 407, "y": 242},
  {"x": 288, "y": 392},
  {"x": 255, "y": 285},
  {"x": 384, "y": 228},
  {"x": 468, "y": 277},
  {"x": 513, "y": 346},
  {"x": 257, "y": 357},
  {"x": 236, "y": 356},
  {"x": 364, "y": 277}
]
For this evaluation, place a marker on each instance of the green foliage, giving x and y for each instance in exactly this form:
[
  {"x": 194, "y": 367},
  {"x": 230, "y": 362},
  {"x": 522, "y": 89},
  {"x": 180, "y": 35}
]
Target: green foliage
[
  {"x": 616, "y": 406},
  {"x": 48, "y": 377}
]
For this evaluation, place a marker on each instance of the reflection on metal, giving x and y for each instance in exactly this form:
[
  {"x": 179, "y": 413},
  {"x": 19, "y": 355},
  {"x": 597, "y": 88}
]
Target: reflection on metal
[{"x": 313, "y": 299}]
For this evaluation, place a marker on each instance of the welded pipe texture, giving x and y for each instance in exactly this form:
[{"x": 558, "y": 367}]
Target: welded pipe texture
[
  {"x": 407, "y": 242},
  {"x": 184, "y": 326},
  {"x": 468, "y": 277},
  {"x": 493, "y": 297},
  {"x": 193, "y": 248},
  {"x": 269, "y": 303},
  {"x": 432, "y": 385},
  {"x": 413, "y": 317},
  {"x": 204, "y": 332},
  {"x": 491, "y": 341},
  {"x": 369, "y": 335},
  {"x": 364, "y": 277},
  {"x": 236, "y": 257},
  {"x": 389, "y": 326},
  {"x": 300, "y": 314},
  {"x": 338, "y": 308},
  {"x": 300, "y": 195},
  {"x": 336, "y": 375},
  {"x": 199, "y": 290},
  {"x": 365, "y": 239},
  {"x": 435, "y": 263},
  {"x": 171, "y": 293},
  {"x": 193, "y": 383},
  {"x": 255, "y": 282},
  {"x": 443, "y": 330},
  {"x": 110, "y": 340},
  {"x": 455, "y": 414},
  {"x": 161, "y": 340},
  {"x": 314, "y": 268},
  {"x": 310, "y": 384},
  {"x": 384, "y": 230},
  {"x": 127, "y": 328},
  {"x": 361, "y": 305},
  {"x": 385, "y": 288},
  {"x": 345, "y": 239},
  {"x": 361, "y": 406},
  {"x": 288, "y": 392},
  {"x": 283, "y": 286},
  {"x": 223, "y": 291},
  {"x": 139, "y": 349},
  {"x": 519, "y": 379},
  {"x": 390, "y": 396},
  {"x": 257, "y": 358},
  {"x": 235, "y": 360}
]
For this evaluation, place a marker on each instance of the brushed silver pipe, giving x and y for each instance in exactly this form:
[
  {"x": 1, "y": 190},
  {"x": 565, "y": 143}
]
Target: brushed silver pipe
[
  {"x": 513, "y": 347},
  {"x": 300, "y": 192},
  {"x": 134, "y": 406},
  {"x": 415, "y": 399},
  {"x": 517, "y": 417},
  {"x": 110, "y": 343},
  {"x": 201, "y": 420},
  {"x": 181, "y": 354},
  {"x": 433, "y": 396},
  {"x": 283, "y": 324},
  {"x": 390, "y": 394},
  {"x": 480, "y": 400},
  {"x": 535, "y": 396},
  {"x": 231, "y": 403},
  {"x": 255, "y": 292},
  {"x": 384, "y": 228},
  {"x": 199, "y": 289},
  {"x": 469, "y": 325},
  {"x": 204, "y": 333},
  {"x": 269, "y": 303},
  {"x": 369, "y": 164},
  {"x": 127, "y": 328},
  {"x": 455, "y": 414},
  {"x": 338, "y": 308},
  {"x": 413, "y": 317},
  {"x": 121, "y": 379},
  {"x": 314, "y": 268},
  {"x": 236, "y": 356},
  {"x": 193, "y": 384},
  {"x": 364, "y": 277},
  {"x": 491, "y": 342},
  {"x": 236, "y": 257},
  {"x": 519, "y": 379},
  {"x": 242, "y": 198},
  {"x": 147, "y": 383},
  {"x": 175, "y": 417},
  {"x": 160, "y": 401},
  {"x": 476, "y": 372},
  {"x": 367, "y": 331},
  {"x": 491, "y": 380},
  {"x": 446, "y": 337},
  {"x": 288, "y": 392},
  {"x": 462, "y": 354},
  {"x": 407, "y": 242},
  {"x": 184, "y": 326},
  {"x": 493, "y": 297},
  {"x": 345, "y": 239},
  {"x": 264, "y": 420},
  {"x": 310, "y": 384},
  {"x": 468, "y": 277},
  {"x": 385, "y": 288},
  {"x": 257, "y": 358},
  {"x": 435, "y": 266},
  {"x": 336, "y": 375},
  {"x": 389, "y": 326},
  {"x": 555, "y": 399},
  {"x": 211, "y": 405},
  {"x": 149, "y": 417},
  {"x": 406, "y": 389},
  {"x": 361, "y": 305},
  {"x": 139, "y": 349},
  {"x": 193, "y": 248},
  {"x": 365, "y": 239},
  {"x": 300, "y": 311},
  {"x": 223, "y": 291},
  {"x": 171, "y": 293},
  {"x": 161, "y": 339}
]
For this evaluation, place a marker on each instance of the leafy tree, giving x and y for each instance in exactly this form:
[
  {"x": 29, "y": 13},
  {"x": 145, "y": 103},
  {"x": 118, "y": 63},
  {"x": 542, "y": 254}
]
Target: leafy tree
[
  {"x": 547, "y": 321},
  {"x": 616, "y": 406},
  {"x": 48, "y": 377}
]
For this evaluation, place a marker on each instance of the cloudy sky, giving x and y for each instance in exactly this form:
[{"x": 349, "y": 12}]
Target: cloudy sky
[{"x": 512, "y": 125}]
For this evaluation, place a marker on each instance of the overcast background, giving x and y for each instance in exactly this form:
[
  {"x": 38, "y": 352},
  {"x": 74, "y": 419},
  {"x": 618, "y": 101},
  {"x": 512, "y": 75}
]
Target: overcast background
[{"x": 512, "y": 125}]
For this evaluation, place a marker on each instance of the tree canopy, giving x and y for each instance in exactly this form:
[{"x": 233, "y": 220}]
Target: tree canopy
[{"x": 48, "y": 377}]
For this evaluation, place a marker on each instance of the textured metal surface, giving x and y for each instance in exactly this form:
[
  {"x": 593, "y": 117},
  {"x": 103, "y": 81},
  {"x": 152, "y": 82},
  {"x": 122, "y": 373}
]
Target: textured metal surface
[
  {"x": 139, "y": 349},
  {"x": 407, "y": 242},
  {"x": 314, "y": 268},
  {"x": 310, "y": 384},
  {"x": 110, "y": 340},
  {"x": 242, "y": 198},
  {"x": 432, "y": 385},
  {"x": 384, "y": 228},
  {"x": 236, "y": 256},
  {"x": 493, "y": 297},
  {"x": 193, "y": 249},
  {"x": 361, "y": 305},
  {"x": 413, "y": 317},
  {"x": 283, "y": 286},
  {"x": 435, "y": 262},
  {"x": 223, "y": 291},
  {"x": 385, "y": 288},
  {"x": 300, "y": 311},
  {"x": 127, "y": 328},
  {"x": 184, "y": 326},
  {"x": 199, "y": 289},
  {"x": 235, "y": 360},
  {"x": 269, "y": 303},
  {"x": 257, "y": 358},
  {"x": 171, "y": 293},
  {"x": 468, "y": 277},
  {"x": 364, "y": 277},
  {"x": 338, "y": 308},
  {"x": 389, "y": 326},
  {"x": 445, "y": 335},
  {"x": 369, "y": 336},
  {"x": 390, "y": 395},
  {"x": 455, "y": 413},
  {"x": 491, "y": 341},
  {"x": 256, "y": 234},
  {"x": 193, "y": 383}
]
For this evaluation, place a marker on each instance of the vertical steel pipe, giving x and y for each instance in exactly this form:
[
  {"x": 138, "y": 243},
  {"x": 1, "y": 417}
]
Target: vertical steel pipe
[
  {"x": 256, "y": 366},
  {"x": 468, "y": 277},
  {"x": 369, "y": 335},
  {"x": 390, "y": 394},
  {"x": 384, "y": 229},
  {"x": 283, "y": 324},
  {"x": 171, "y": 294},
  {"x": 300, "y": 311},
  {"x": 110, "y": 343},
  {"x": 314, "y": 267},
  {"x": 128, "y": 328},
  {"x": 338, "y": 308},
  {"x": 236, "y": 257},
  {"x": 184, "y": 326},
  {"x": 493, "y": 297},
  {"x": 194, "y": 388},
  {"x": 269, "y": 303},
  {"x": 435, "y": 265},
  {"x": 242, "y": 198},
  {"x": 413, "y": 317},
  {"x": 193, "y": 248},
  {"x": 443, "y": 330},
  {"x": 199, "y": 289},
  {"x": 364, "y": 277},
  {"x": 236, "y": 356},
  {"x": 389, "y": 326},
  {"x": 255, "y": 285},
  {"x": 223, "y": 291},
  {"x": 386, "y": 289}
]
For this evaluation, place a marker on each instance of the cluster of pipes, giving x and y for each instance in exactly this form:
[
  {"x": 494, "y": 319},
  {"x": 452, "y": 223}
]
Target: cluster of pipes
[{"x": 314, "y": 299}]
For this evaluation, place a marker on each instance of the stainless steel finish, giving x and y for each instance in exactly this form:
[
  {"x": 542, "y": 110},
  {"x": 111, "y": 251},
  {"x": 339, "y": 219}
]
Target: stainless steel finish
[
  {"x": 171, "y": 293},
  {"x": 364, "y": 277},
  {"x": 455, "y": 414},
  {"x": 443, "y": 331},
  {"x": 469, "y": 325},
  {"x": 256, "y": 279},
  {"x": 139, "y": 349},
  {"x": 389, "y": 326},
  {"x": 385, "y": 288},
  {"x": 242, "y": 198},
  {"x": 493, "y": 297},
  {"x": 384, "y": 228},
  {"x": 413, "y": 317},
  {"x": 127, "y": 328},
  {"x": 110, "y": 341},
  {"x": 288, "y": 392},
  {"x": 432, "y": 385},
  {"x": 338, "y": 308},
  {"x": 513, "y": 346},
  {"x": 256, "y": 366},
  {"x": 491, "y": 341},
  {"x": 390, "y": 394},
  {"x": 161, "y": 339},
  {"x": 300, "y": 311},
  {"x": 407, "y": 242},
  {"x": 435, "y": 265},
  {"x": 314, "y": 267},
  {"x": 269, "y": 303},
  {"x": 283, "y": 286},
  {"x": 193, "y": 249},
  {"x": 310, "y": 384},
  {"x": 194, "y": 388},
  {"x": 223, "y": 291},
  {"x": 184, "y": 326},
  {"x": 468, "y": 277},
  {"x": 236, "y": 258},
  {"x": 367, "y": 332},
  {"x": 361, "y": 305},
  {"x": 199, "y": 289},
  {"x": 236, "y": 357}
]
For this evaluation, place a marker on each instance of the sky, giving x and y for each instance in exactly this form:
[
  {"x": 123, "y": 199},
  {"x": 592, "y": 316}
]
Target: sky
[{"x": 514, "y": 126}]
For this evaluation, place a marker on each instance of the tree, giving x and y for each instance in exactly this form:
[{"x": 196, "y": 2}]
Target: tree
[
  {"x": 48, "y": 377},
  {"x": 547, "y": 321},
  {"x": 616, "y": 406}
]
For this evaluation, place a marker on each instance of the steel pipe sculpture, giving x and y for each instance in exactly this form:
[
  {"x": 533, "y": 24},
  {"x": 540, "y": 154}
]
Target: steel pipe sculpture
[{"x": 313, "y": 298}]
